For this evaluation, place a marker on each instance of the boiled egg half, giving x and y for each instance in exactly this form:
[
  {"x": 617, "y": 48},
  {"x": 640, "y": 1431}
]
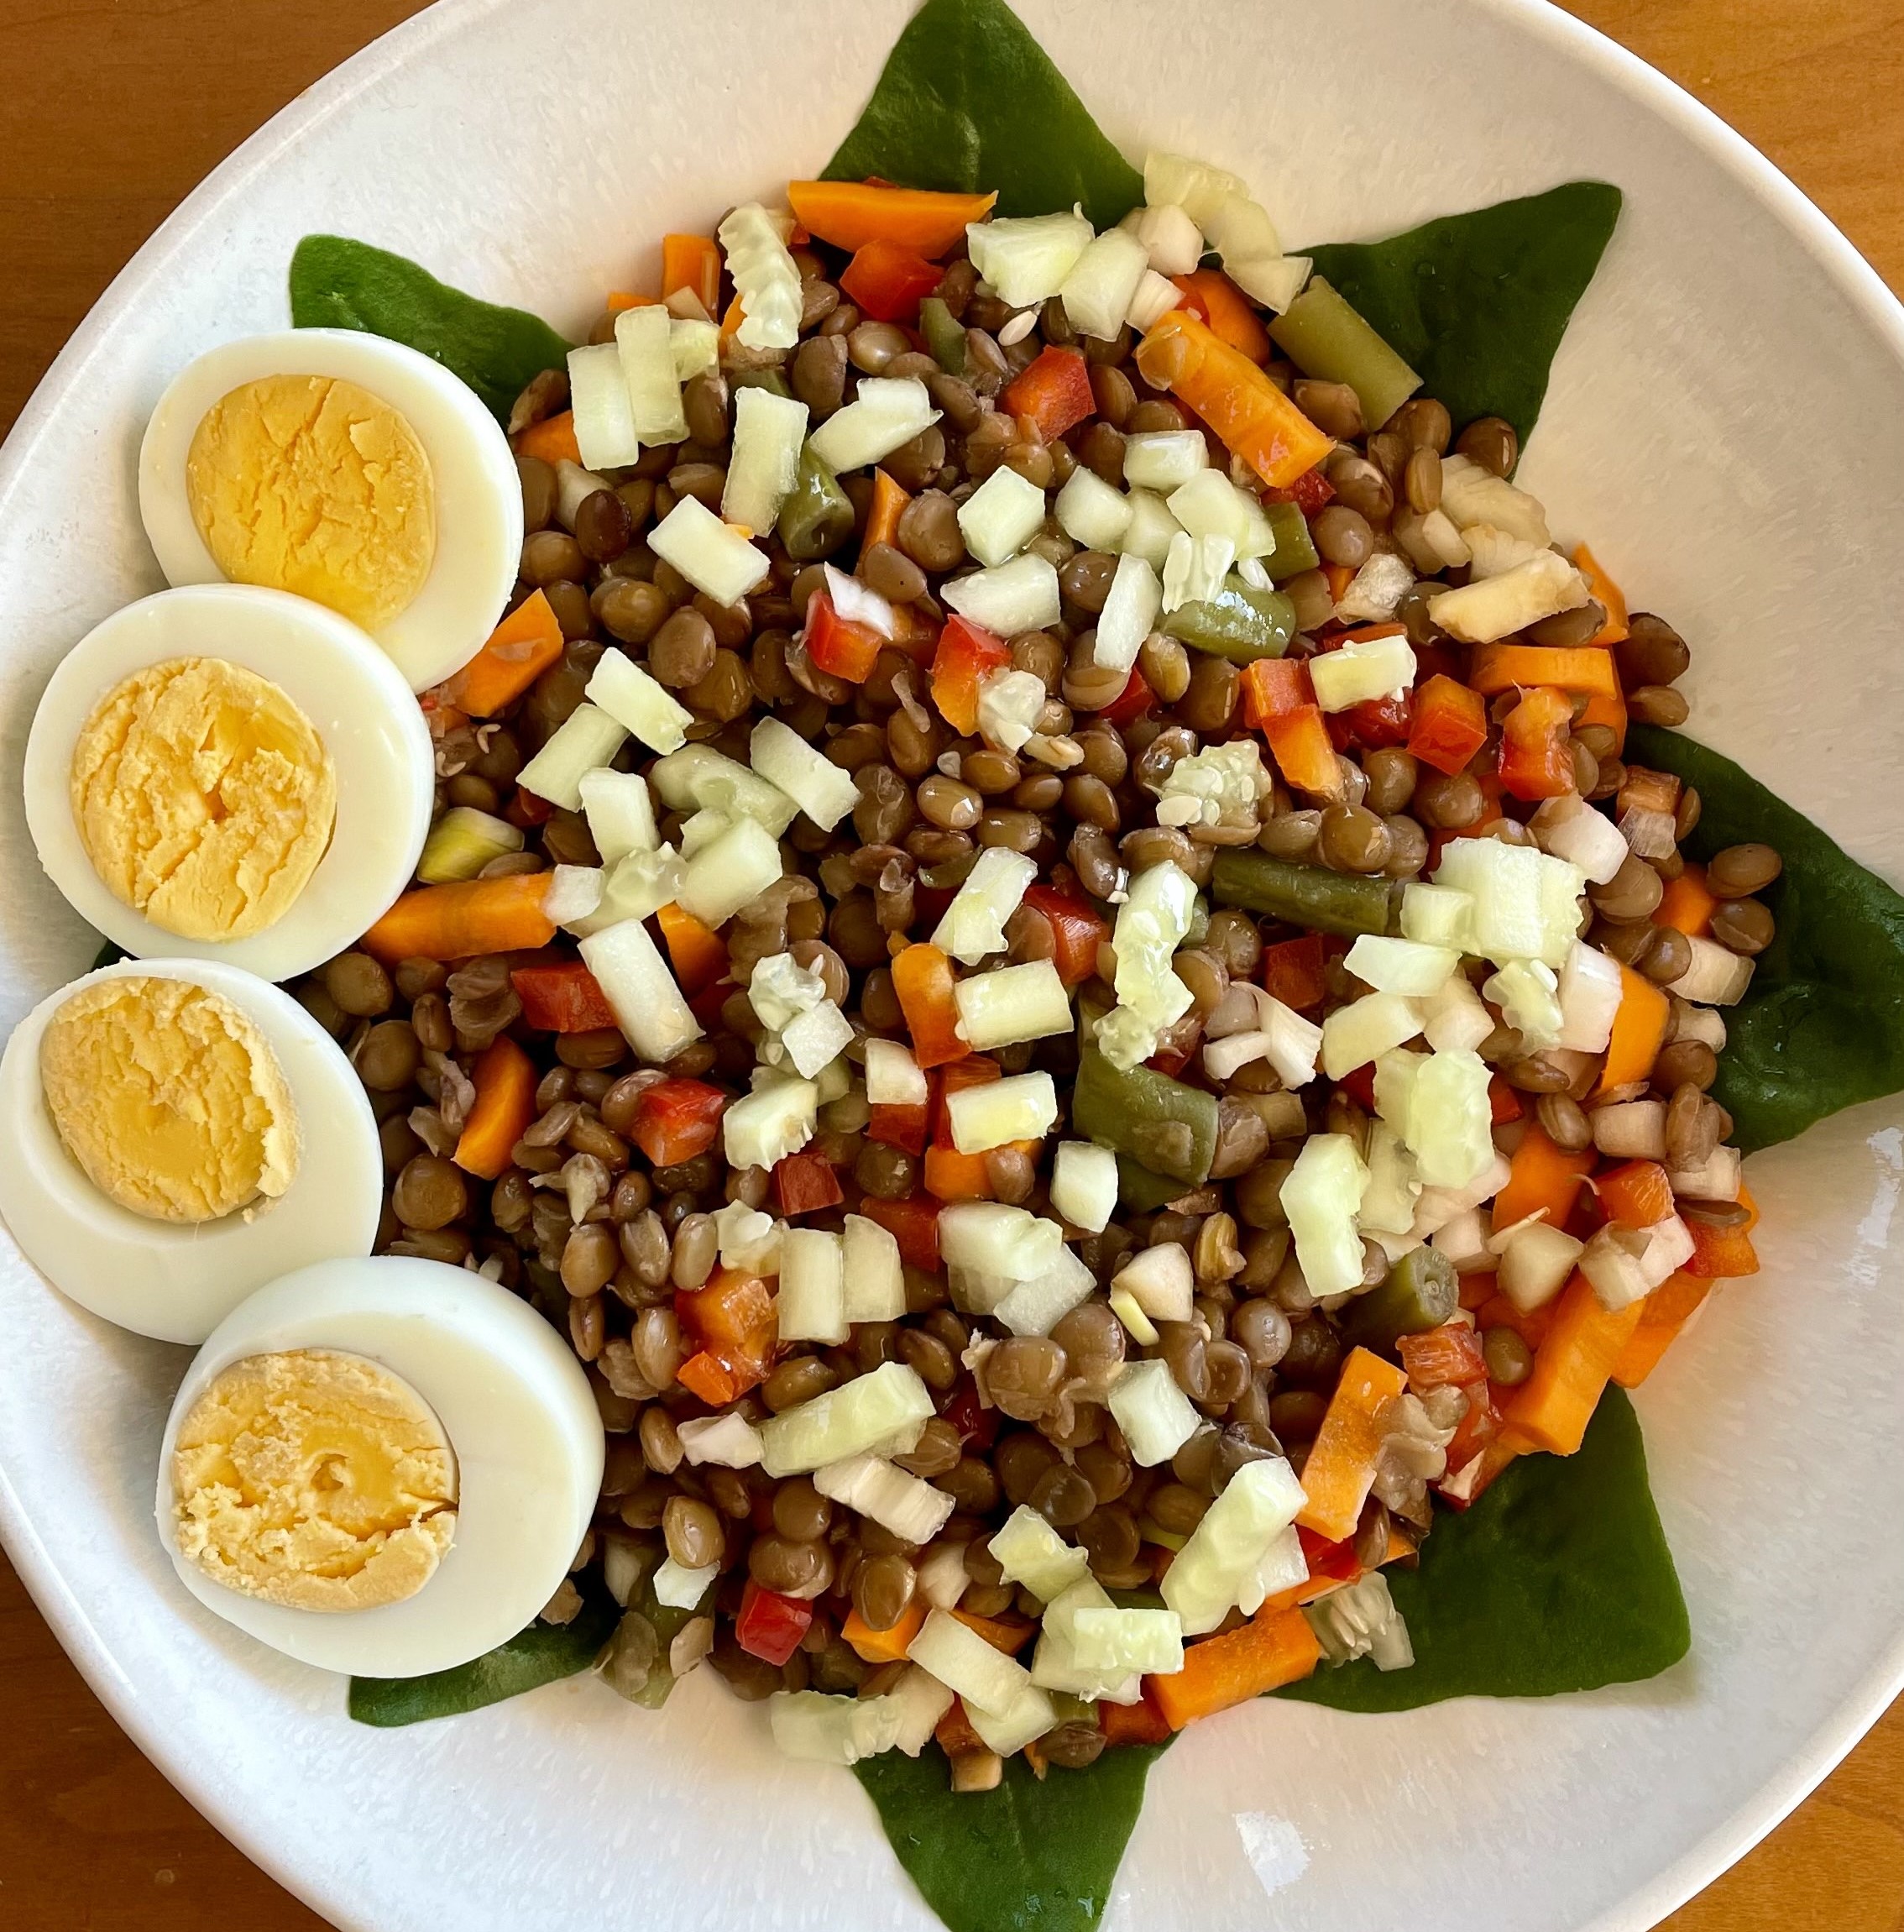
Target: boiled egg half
[
  {"x": 383, "y": 1466},
  {"x": 230, "y": 773},
  {"x": 346, "y": 469},
  {"x": 182, "y": 1133}
]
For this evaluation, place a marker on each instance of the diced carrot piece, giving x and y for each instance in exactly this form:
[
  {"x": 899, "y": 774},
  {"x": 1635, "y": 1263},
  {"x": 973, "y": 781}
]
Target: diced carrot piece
[
  {"x": 458, "y": 921},
  {"x": 1644, "y": 791},
  {"x": 1008, "y": 1634},
  {"x": 733, "y": 1310},
  {"x": 1303, "y": 753},
  {"x": 850, "y": 214},
  {"x": 1213, "y": 297},
  {"x": 505, "y": 1079},
  {"x": 1276, "y": 688},
  {"x": 1139, "y": 1723},
  {"x": 620, "y": 300},
  {"x": 1610, "y": 712},
  {"x": 691, "y": 262},
  {"x": 1268, "y": 1652},
  {"x": 951, "y": 1176},
  {"x": 552, "y": 439},
  {"x": 1663, "y": 1314},
  {"x": 696, "y": 951},
  {"x": 1497, "y": 668},
  {"x": 1541, "y": 1175},
  {"x": 1606, "y": 593},
  {"x": 1687, "y": 905},
  {"x": 885, "y": 1645},
  {"x": 1724, "y": 1254},
  {"x": 889, "y": 503},
  {"x": 1550, "y": 1410},
  {"x": 954, "y": 1732},
  {"x": 1341, "y": 1462},
  {"x": 923, "y": 983},
  {"x": 1253, "y": 418},
  {"x": 520, "y": 649},
  {"x": 1638, "y": 1031},
  {"x": 1636, "y": 1193}
]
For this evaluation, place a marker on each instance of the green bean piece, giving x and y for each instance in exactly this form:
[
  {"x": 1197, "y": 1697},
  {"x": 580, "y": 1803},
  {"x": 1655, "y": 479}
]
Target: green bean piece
[
  {"x": 771, "y": 380},
  {"x": 945, "y": 335},
  {"x": 1237, "y": 623},
  {"x": 817, "y": 515},
  {"x": 1295, "y": 548},
  {"x": 1421, "y": 1292},
  {"x": 1140, "y": 1191},
  {"x": 1310, "y": 896},
  {"x": 1324, "y": 337},
  {"x": 1159, "y": 1121}
]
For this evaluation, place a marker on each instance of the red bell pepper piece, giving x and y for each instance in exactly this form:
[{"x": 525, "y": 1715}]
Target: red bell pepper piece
[
  {"x": 1305, "y": 754},
  {"x": 901, "y": 1127},
  {"x": 804, "y": 1182},
  {"x": 525, "y": 811},
  {"x": 734, "y": 1311},
  {"x": 965, "y": 654},
  {"x": 1077, "y": 931},
  {"x": 913, "y": 1224},
  {"x": 674, "y": 1120},
  {"x": 841, "y": 647},
  {"x": 1136, "y": 698},
  {"x": 770, "y": 1627},
  {"x": 1328, "y": 1559},
  {"x": 1310, "y": 492},
  {"x": 1536, "y": 754},
  {"x": 561, "y": 997},
  {"x": 1295, "y": 971},
  {"x": 888, "y": 282},
  {"x": 1451, "y": 724},
  {"x": 1449, "y": 1354},
  {"x": 1720, "y": 1253},
  {"x": 1359, "y": 1085},
  {"x": 977, "y": 1425},
  {"x": 1374, "y": 725},
  {"x": 1054, "y": 392},
  {"x": 1504, "y": 1103}
]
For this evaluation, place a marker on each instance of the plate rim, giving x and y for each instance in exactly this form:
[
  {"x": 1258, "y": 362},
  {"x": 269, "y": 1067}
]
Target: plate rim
[{"x": 1837, "y": 1732}]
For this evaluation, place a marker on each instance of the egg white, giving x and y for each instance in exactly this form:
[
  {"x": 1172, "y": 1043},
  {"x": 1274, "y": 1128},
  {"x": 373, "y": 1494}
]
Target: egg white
[
  {"x": 356, "y": 702},
  {"x": 477, "y": 495},
  {"x": 520, "y": 1415},
  {"x": 156, "y": 1278}
]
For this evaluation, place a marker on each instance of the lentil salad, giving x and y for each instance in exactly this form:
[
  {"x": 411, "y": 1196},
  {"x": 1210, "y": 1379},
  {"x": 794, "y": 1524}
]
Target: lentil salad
[{"x": 617, "y": 1206}]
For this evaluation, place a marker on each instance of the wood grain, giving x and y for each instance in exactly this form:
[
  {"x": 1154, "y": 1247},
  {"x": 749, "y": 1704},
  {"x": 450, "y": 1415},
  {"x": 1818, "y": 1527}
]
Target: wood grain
[{"x": 113, "y": 111}]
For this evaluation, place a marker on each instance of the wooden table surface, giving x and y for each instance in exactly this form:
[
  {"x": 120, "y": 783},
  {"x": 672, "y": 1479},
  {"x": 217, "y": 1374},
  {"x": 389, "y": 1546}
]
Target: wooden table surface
[{"x": 115, "y": 110}]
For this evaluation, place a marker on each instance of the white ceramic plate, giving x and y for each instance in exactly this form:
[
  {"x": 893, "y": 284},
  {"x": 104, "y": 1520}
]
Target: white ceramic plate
[{"x": 1719, "y": 425}]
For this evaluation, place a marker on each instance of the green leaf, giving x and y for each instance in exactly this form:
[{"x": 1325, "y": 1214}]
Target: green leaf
[
  {"x": 1822, "y": 1025},
  {"x": 536, "y": 1656},
  {"x": 1476, "y": 304},
  {"x": 969, "y": 102},
  {"x": 336, "y": 283},
  {"x": 1558, "y": 1580},
  {"x": 1030, "y": 1857}
]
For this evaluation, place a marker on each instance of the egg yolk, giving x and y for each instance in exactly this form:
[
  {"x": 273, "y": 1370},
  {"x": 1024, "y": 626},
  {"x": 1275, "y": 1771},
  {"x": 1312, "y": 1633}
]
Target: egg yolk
[
  {"x": 203, "y": 796},
  {"x": 309, "y": 484},
  {"x": 314, "y": 1480},
  {"x": 169, "y": 1097}
]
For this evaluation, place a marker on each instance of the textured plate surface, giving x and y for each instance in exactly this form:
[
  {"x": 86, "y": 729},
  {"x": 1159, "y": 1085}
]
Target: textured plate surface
[{"x": 1709, "y": 427}]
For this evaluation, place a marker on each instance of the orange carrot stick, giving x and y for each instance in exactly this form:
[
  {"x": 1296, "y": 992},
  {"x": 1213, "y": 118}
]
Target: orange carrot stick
[
  {"x": 1550, "y": 1410},
  {"x": 1267, "y": 1652},
  {"x": 696, "y": 951},
  {"x": 1497, "y": 668},
  {"x": 1636, "y": 1193},
  {"x": 1687, "y": 905},
  {"x": 850, "y": 214},
  {"x": 691, "y": 262},
  {"x": 1341, "y": 1462},
  {"x": 1139, "y": 1723},
  {"x": 885, "y": 1645},
  {"x": 1231, "y": 394},
  {"x": 1638, "y": 1031},
  {"x": 456, "y": 922},
  {"x": 1607, "y": 595},
  {"x": 552, "y": 439},
  {"x": 889, "y": 501},
  {"x": 923, "y": 981},
  {"x": 505, "y": 1079},
  {"x": 520, "y": 649},
  {"x": 1541, "y": 1175},
  {"x": 1663, "y": 1314},
  {"x": 1211, "y": 297}
]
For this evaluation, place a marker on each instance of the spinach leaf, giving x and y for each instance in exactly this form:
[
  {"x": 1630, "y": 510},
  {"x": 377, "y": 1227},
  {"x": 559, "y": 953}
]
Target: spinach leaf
[
  {"x": 1822, "y": 1025},
  {"x": 1476, "y": 304},
  {"x": 1030, "y": 1857},
  {"x": 535, "y": 1657},
  {"x": 969, "y": 102},
  {"x": 1558, "y": 1580},
  {"x": 336, "y": 283}
]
